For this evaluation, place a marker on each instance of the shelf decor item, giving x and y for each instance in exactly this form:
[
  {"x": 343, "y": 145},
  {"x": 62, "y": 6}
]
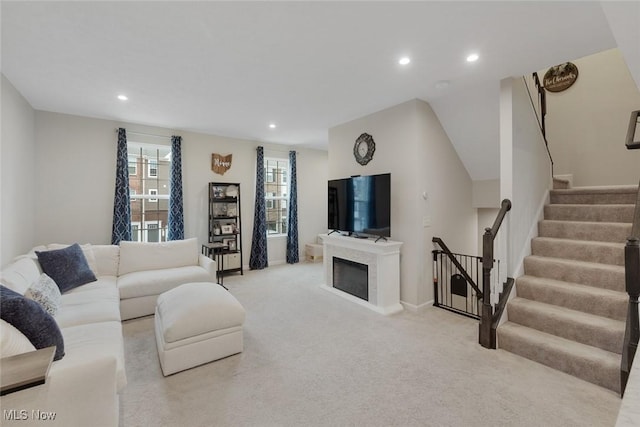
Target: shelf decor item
[
  {"x": 226, "y": 229},
  {"x": 231, "y": 243}
]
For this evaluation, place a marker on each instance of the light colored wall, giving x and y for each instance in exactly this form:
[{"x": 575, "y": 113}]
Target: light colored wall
[
  {"x": 527, "y": 168},
  {"x": 18, "y": 174},
  {"x": 413, "y": 147},
  {"x": 486, "y": 193},
  {"x": 76, "y": 162},
  {"x": 587, "y": 123}
]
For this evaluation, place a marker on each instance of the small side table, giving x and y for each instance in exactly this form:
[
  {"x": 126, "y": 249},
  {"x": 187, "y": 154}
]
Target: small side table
[
  {"x": 216, "y": 249},
  {"x": 25, "y": 370}
]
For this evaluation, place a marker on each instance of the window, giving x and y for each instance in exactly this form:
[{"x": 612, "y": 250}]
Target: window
[
  {"x": 149, "y": 190},
  {"x": 153, "y": 168},
  {"x": 276, "y": 190},
  {"x": 133, "y": 165}
]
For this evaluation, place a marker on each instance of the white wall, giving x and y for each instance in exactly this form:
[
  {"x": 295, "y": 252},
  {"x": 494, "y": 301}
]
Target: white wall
[
  {"x": 527, "y": 171},
  {"x": 413, "y": 147},
  {"x": 587, "y": 123},
  {"x": 76, "y": 164},
  {"x": 18, "y": 174}
]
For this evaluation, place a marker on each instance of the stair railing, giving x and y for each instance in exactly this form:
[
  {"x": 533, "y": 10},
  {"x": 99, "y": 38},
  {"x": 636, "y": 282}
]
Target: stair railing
[
  {"x": 540, "y": 110},
  {"x": 488, "y": 319},
  {"x": 634, "y": 125},
  {"x": 632, "y": 284}
]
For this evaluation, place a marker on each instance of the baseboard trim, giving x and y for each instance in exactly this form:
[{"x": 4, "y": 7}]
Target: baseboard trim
[{"x": 416, "y": 308}]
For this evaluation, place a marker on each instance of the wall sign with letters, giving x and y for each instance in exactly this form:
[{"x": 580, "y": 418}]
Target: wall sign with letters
[
  {"x": 560, "y": 77},
  {"x": 220, "y": 164}
]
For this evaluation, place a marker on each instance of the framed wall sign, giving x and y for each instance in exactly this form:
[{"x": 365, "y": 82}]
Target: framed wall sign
[
  {"x": 560, "y": 77},
  {"x": 220, "y": 164}
]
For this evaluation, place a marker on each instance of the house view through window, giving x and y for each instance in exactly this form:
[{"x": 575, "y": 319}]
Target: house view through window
[
  {"x": 276, "y": 194},
  {"x": 149, "y": 170}
]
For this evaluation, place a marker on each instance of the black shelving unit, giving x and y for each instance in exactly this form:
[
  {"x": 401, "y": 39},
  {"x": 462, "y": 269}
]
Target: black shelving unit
[{"x": 225, "y": 225}]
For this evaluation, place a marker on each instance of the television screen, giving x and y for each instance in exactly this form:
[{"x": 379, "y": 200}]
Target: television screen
[{"x": 361, "y": 205}]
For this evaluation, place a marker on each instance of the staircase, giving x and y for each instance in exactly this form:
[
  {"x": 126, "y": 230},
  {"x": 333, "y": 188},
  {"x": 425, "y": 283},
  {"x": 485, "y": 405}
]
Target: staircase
[{"x": 571, "y": 304}]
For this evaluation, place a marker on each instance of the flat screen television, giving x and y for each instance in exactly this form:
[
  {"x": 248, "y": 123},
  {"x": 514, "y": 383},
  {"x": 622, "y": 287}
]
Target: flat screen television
[{"x": 361, "y": 205}]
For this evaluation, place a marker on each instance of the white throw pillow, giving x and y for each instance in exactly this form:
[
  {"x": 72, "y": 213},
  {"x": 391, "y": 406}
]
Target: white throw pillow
[
  {"x": 45, "y": 292},
  {"x": 12, "y": 341}
]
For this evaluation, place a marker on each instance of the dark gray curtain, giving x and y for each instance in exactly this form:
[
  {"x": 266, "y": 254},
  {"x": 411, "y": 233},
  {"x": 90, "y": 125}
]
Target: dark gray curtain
[
  {"x": 121, "y": 229},
  {"x": 293, "y": 254},
  {"x": 258, "y": 257},
  {"x": 176, "y": 215}
]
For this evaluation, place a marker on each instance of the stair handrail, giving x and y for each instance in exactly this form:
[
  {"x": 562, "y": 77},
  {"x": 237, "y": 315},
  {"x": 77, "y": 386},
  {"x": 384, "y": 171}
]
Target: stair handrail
[
  {"x": 459, "y": 266},
  {"x": 634, "y": 121},
  {"x": 542, "y": 101},
  {"x": 487, "y": 333},
  {"x": 632, "y": 285}
]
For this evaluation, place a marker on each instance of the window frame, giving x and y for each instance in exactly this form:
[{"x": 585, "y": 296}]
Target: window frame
[{"x": 272, "y": 178}]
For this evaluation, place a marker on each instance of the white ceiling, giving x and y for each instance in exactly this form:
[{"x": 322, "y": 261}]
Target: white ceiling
[{"x": 231, "y": 68}]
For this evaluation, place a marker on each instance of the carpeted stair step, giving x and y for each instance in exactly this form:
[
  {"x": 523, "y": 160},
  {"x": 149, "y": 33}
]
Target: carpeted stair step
[
  {"x": 585, "y": 328},
  {"x": 615, "y": 232},
  {"x": 621, "y": 194},
  {"x": 601, "y": 252},
  {"x": 587, "y": 273},
  {"x": 589, "y": 299},
  {"x": 590, "y": 213},
  {"x": 589, "y": 363},
  {"x": 561, "y": 184}
]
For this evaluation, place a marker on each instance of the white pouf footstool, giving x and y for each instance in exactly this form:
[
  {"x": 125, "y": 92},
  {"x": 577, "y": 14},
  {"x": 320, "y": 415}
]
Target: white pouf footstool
[{"x": 197, "y": 323}]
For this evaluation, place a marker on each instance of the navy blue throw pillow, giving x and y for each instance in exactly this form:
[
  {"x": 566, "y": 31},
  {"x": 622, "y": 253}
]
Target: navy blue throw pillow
[
  {"x": 67, "y": 267},
  {"x": 29, "y": 317}
]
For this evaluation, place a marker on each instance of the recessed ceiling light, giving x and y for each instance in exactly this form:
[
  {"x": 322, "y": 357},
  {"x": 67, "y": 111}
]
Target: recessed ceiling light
[
  {"x": 473, "y": 57},
  {"x": 272, "y": 125},
  {"x": 442, "y": 84},
  {"x": 404, "y": 60},
  {"x": 123, "y": 97}
]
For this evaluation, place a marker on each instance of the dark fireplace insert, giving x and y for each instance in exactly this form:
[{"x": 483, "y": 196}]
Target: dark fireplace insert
[{"x": 351, "y": 277}]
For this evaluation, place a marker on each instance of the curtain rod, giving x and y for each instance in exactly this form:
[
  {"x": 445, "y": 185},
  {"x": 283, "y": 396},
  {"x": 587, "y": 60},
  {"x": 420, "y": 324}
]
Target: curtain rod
[{"x": 145, "y": 134}]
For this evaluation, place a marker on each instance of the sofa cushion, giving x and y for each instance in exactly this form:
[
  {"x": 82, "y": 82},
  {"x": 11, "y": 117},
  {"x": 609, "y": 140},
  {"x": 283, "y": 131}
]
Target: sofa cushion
[
  {"x": 68, "y": 267},
  {"x": 20, "y": 274},
  {"x": 155, "y": 282},
  {"x": 12, "y": 341},
  {"x": 94, "y": 341},
  {"x": 107, "y": 259},
  {"x": 137, "y": 256},
  {"x": 29, "y": 318},
  {"x": 45, "y": 292},
  {"x": 91, "y": 306}
]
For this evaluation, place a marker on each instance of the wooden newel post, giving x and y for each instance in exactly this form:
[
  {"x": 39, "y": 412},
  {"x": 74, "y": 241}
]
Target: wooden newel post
[
  {"x": 632, "y": 330},
  {"x": 487, "y": 335}
]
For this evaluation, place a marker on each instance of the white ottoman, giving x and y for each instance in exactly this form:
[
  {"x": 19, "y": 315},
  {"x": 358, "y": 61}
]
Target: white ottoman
[{"x": 197, "y": 323}]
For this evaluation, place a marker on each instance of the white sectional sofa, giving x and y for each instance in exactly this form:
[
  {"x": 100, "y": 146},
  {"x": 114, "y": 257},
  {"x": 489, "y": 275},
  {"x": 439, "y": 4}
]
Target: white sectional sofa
[{"x": 83, "y": 387}]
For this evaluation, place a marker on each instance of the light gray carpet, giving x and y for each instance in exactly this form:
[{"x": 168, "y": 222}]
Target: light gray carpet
[{"x": 312, "y": 358}]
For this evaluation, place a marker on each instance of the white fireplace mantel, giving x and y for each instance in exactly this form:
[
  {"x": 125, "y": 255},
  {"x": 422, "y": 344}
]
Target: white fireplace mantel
[{"x": 383, "y": 261}]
